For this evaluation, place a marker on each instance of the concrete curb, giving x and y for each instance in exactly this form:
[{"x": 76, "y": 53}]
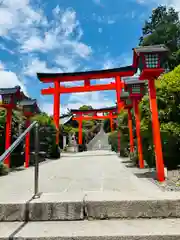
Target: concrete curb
[
  {"x": 152, "y": 229},
  {"x": 92, "y": 205}
]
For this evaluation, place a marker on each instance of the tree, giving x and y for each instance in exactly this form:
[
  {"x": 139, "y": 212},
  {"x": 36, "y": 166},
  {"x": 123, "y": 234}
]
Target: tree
[
  {"x": 86, "y": 107},
  {"x": 163, "y": 27}
]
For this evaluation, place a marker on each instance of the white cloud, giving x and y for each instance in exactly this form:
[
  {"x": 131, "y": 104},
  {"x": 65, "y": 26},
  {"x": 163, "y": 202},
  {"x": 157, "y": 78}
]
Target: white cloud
[
  {"x": 10, "y": 79},
  {"x": 100, "y": 30},
  {"x": 48, "y": 108},
  {"x": 16, "y": 14},
  {"x": 95, "y": 99},
  {"x": 67, "y": 64},
  {"x": 123, "y": 60},
  {"x": 58, "y": 36},
  {"x": 2, "y": 47},
  {"x": 172, "y": 3},
  {"x": 36, "y": 65},
  {"x": 63, "y": 34},
  {"x": 76, "y": 100},
  {"x": 2, "y": 66},
  {"x": 98, "y": 2}
]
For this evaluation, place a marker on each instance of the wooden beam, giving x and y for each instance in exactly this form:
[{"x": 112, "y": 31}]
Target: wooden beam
[
  {"x": 87, "y": 118},
  {"x": 81, "y": 76},
  {"x": 63, "y": 90}
]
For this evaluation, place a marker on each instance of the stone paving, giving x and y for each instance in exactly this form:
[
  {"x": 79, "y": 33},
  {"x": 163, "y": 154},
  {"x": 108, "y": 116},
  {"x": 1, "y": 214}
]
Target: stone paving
[
  {"x": 86, "y": 188},
  {"x": 87, "y": 171}
]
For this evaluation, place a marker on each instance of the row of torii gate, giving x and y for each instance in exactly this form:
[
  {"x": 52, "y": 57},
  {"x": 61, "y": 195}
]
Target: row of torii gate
[
  {"x": 150, "y": 61},
  {"x": 92, "y": 114}
]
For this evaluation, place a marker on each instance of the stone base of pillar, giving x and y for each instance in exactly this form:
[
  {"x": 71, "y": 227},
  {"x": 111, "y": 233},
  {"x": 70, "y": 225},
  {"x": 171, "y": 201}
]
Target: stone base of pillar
[{"x": 72, "y": 149}]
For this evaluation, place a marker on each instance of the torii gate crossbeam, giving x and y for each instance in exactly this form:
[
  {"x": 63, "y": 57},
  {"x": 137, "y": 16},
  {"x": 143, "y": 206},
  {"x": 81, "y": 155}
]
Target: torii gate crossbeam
[
  {"x": 81, "y": 115},
  {"x": 58, "y": 78}
]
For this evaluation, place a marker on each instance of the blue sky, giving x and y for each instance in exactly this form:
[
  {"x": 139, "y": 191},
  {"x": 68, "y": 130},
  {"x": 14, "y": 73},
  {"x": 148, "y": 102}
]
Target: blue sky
[{"x": 68, "y": 36}]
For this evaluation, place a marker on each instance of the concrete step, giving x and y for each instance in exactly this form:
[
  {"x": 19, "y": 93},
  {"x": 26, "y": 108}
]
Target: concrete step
[
  {"x": 139, "y": 229},
  {"x": 92, "y": 205}
]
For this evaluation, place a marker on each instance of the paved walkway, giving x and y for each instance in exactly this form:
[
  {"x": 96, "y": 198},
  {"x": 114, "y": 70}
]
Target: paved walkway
[{"x": 88, "y": 171}]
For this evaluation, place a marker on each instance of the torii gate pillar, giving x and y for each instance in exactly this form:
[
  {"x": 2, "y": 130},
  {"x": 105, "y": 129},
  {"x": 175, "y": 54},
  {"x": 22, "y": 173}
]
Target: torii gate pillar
[
  {"x": 138, "y": 133},
  {"x": 8, "y": 134},
  {"x": 80, "y": 131},
  {"x": 56, "y": 113},
  {"x": 130, "y": 125}
]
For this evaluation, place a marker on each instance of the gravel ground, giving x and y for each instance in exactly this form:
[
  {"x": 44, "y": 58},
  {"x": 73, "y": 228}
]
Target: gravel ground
[{"x": 172, "y": 182}]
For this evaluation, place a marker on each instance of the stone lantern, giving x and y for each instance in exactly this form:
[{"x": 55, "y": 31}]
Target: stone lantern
[
  {"x": 125, "y": 96},
  {"x": 150, "y": 57},
  {"x": 29, "y": 108},
  {"x": 134, "y": 87},
  {"x": 10, "y": 97},
  {"x": 151, "y": 60}
]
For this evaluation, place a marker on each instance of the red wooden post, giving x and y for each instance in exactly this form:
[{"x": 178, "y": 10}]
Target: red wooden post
[
  {"x": 80, "y": 131},
  {"x": 131, "y": 138},
  {"x": 8, "y": 134},
  {"x": 156, "y": 131},
  {"x": 27, "y": 145},
  {"x": 118, "y": 93},
  {"x": 56, "y": 108},
  {"x": 119, "y": 105},
  {"x": 138, "y": 133}
]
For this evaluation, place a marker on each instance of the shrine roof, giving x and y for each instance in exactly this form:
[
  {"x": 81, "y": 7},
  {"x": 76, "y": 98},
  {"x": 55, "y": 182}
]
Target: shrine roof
[
  {"x": 130, "y": 82},
  {"x": 94, "y": 110},
  {"x": 65, "y": 119},
  {"x": 154, "y": 48},
  {"x": 96, "y": 74},
  {"x": 9, "y": 90},
  {"x": 28, "y": 102}
]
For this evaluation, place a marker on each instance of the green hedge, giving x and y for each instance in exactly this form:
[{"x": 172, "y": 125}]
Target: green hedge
[{"x": 124, "y": 144}]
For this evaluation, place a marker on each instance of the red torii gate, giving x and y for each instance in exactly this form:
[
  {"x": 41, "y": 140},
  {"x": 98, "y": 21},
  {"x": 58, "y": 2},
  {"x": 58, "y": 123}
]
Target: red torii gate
[
  {"x": 149, "y": 59},
  {"x": 58, "y": 78},
  {"x": 81, "y": 115}
]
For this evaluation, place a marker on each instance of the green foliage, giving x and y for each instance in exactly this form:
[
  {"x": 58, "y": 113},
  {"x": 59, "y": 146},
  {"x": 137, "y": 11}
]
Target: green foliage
[
  {"x": 43, "y": 119},
  {"x": 168, "y": 99},
  {"x": 124, "y": 135},
  {"x": 86, "y": 107},
  {"x": 3, "y": 169},
  {"x": 163, "y": 27},
  {"x": 134, "y": 157},
  {"x": 47, "y": 135},
  {"x": 88, "y": 124},
  {"x": 123, "y": 122},
  {"x": 106, "y": 126}
]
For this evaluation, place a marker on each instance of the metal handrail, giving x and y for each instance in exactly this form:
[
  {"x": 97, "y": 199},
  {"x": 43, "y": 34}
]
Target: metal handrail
[{"x": 17, "y": 142}]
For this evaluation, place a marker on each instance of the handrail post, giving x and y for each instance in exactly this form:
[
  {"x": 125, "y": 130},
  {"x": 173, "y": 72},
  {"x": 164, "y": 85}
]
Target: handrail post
[{"x": 36, "y": 169}]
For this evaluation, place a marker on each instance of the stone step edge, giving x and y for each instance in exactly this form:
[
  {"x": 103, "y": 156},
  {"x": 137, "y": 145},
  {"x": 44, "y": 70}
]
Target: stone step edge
[
  {"x": 80, "y": 207},
  {"x": 152, "y": 229}
]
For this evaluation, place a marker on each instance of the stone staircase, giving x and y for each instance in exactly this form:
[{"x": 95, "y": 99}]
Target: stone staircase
[
  {"x": 99, "y": 142},
  {"x": 92, "y": 215}
]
